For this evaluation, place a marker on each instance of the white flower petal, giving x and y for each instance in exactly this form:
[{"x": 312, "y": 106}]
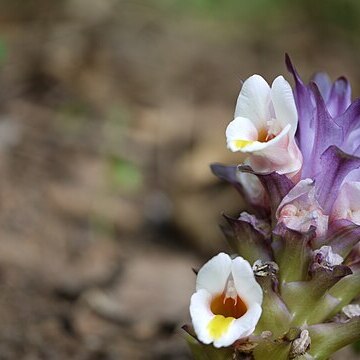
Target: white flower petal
[
  {"x": 253, "y": 101},
  {"x": 246, "y": 286},
  {"x": 241, "y": 327},
  {"x": 214, "y": 274},
  {"x": 201, "y": 314},
  {"x": 281, "y": 153},
  {"x": 284, "y": 104},
  {"x": 240, "y": 129},
  {"x": 270, "y": 146}
]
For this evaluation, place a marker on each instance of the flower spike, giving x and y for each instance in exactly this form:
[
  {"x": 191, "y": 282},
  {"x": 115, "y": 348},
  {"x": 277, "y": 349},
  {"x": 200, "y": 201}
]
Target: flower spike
[{"x": 299, "y": 170}]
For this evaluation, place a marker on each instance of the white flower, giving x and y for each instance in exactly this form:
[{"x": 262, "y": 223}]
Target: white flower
[
  {"x": 227, "y": 303},
  {"x": 347, "y": 204},
  {"x": 264, "y": 126}
]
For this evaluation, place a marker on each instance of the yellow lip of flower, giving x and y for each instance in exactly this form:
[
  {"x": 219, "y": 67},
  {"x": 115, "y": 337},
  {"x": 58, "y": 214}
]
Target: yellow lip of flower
[
  {"x": 227, "y": 303},
  {"x": 226, "y": 307},
  {"x": 240, "y": 144},
  {"x": 219, "y": 325},
  {"x": 263, "y": 137}
]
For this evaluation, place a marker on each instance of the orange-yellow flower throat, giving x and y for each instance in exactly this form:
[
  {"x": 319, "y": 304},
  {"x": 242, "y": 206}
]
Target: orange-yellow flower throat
[{"x": 226, "y": 307}]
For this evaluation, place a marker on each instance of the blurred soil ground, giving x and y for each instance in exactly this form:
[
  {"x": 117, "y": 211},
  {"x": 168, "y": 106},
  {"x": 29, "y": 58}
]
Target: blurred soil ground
[{"x": 110, "y": 113}]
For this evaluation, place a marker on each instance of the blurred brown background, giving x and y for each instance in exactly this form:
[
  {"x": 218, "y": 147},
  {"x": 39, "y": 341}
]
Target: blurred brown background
[{"x": 110, "y": 113}]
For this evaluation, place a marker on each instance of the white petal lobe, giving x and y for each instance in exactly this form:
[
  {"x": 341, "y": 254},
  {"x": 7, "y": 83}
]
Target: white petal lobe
[
  {"x": 247, "y": 287},
  {"x": 201, "y": 315},
  {"x": 253, "y": 101},
  {"x": 214, "y": 274},
  {"x": 284, "y": 104}
]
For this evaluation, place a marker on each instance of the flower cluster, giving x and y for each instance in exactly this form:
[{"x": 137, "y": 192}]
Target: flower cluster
[{"x": 290, "y": 289}]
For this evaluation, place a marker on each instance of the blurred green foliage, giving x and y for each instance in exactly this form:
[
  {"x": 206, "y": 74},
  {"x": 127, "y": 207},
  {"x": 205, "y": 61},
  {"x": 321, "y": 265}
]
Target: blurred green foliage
[
  {"x": 124, "y": 174},
  {"x": 324, "y": 16},
  {"x": 118, "y": 114},
  {"x": 236, "y": 9},
  {"x": 74, "y": 117}
]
